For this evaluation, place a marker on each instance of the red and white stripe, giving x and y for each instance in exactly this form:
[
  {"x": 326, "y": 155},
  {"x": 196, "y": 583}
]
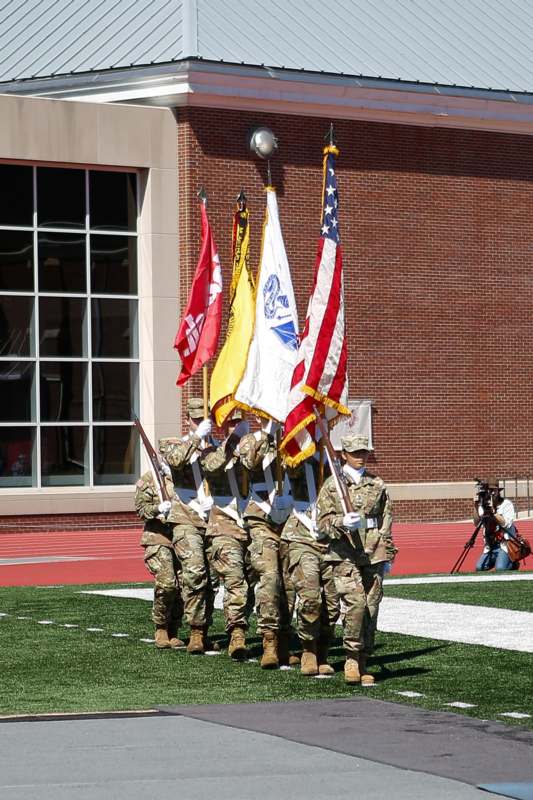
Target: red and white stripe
[{"x": 320, "y": 376}]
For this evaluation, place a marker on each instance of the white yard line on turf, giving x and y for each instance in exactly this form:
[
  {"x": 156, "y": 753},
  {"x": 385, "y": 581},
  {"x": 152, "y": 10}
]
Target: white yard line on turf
[
  {"x": 490, "y": 576},
  {"x": 454, "y": 622}
]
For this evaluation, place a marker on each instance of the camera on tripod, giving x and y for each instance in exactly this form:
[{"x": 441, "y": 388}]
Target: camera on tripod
[{"x": 484, "y": 496}]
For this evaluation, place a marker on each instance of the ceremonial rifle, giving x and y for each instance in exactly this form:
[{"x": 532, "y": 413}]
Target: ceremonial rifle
[
  {"x": 336, "y": 472},
  {"x": 154, "y": 458}
]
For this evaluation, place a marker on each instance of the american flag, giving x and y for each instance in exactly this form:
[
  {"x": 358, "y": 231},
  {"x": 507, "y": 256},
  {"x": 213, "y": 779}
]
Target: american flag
[{"x": 320, "y": 376}]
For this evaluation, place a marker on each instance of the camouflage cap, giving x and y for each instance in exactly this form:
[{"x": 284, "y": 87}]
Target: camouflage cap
[
  {"x": 195, "y": 407},
  {"x": 354, "y": 442},
  {"x": 164, "y": 441}
]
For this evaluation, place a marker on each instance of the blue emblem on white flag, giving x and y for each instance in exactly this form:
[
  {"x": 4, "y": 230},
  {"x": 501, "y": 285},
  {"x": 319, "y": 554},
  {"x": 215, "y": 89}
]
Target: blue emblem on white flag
[{"x": 278, "y": 313}]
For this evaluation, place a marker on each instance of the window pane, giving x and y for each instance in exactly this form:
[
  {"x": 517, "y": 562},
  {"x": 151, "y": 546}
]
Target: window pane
[
  {"x": 16, "y": 195},
  {"x": 61, "y": 197},
  {"x": 16, "y": 326},
  {"x": 114, "y": 328},
  {"x": 116, "y": 455},
  {"x": 114, "y": 391},
  {"x": 17, "y": 398},
  {"x": 113, "y": 200},
  {"x": 16, "y": 261},
  {"x": 64, "y": 458},
  {"x": 113, "y": 264},
  {"x": 63, "y": 385},
  {"x": 62, "y": 266},
  {"x": 62, "y": 326},
  {"x": 17, "y": 459}
]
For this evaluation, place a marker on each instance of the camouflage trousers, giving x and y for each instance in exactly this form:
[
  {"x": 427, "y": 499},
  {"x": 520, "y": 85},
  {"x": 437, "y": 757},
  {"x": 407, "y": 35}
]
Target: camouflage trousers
[
  {"x": 360, "y": 589},
  {"x": 231, "y": 560},
  {"x": 274, "y": 593},
  {"x": 318, "y": 607},
  {"x": 164, "y": 566},
  {"x": 199, "y": 580}
]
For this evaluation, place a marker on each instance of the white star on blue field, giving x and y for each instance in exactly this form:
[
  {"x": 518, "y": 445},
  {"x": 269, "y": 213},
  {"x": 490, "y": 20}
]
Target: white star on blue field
[{"x": 330, "y": 222}]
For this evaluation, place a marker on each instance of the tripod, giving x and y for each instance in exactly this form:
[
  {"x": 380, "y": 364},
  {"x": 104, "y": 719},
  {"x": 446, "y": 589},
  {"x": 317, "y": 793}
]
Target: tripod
[{"x": 468, "y": 546}]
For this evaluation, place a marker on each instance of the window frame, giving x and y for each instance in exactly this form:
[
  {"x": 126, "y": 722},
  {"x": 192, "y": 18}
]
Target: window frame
[{"x": 37, "y": 424}]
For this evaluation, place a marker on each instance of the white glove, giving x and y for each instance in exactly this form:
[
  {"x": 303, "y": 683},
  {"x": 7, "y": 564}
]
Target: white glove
[
  {"x": 351, "y": 520},
  {"x": 241, "y": 428},
  {"x": 203, "y": 428},
  {"x": 164, "y": 507},
  {"x": 207, "y": 504},
  {"x": 165, "y": 469},
  {"x": 387, "y": 567}
]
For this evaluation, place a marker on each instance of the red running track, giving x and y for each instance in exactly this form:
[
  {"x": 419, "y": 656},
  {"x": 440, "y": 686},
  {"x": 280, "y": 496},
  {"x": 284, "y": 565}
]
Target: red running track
[{"x": 115, "y": 556}]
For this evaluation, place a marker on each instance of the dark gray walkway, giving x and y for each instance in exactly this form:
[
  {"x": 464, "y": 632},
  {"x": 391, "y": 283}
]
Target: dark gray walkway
[
  {"x": 439, "y": 743},
  {"x": 169, "y": 757}
]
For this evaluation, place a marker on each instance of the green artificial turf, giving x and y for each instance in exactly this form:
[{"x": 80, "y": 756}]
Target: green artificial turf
[
  {"x": 516, "y": 595},
  {"x": 49, "y": 668}
]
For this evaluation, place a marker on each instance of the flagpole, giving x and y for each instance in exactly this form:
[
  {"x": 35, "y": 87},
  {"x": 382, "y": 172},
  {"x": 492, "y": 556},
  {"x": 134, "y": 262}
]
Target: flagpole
[{"x": 205, "y": 390}]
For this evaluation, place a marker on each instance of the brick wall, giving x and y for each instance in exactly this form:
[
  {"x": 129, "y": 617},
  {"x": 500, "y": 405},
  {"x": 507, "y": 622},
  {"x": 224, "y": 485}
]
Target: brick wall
[
  {"x": 69, "y": 522},
  {"x": 438, "y": 250}
]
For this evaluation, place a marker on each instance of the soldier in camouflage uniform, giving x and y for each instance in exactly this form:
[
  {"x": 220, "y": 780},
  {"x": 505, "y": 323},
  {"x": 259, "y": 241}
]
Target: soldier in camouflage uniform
[
  {"x": 265, "y": 516},
  {"x": 189, "y": 515},
  {"x": 361, "y": 545},
  {"x": 161, "y": 560},
  {"x": 311, "y": 574},
  {"x": 227, "y": 534}
]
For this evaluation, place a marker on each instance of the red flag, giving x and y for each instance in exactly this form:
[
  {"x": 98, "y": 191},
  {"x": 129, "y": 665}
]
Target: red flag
[
  {"x": 320, "y": 375},
  {"x": 197, "y": 337}
]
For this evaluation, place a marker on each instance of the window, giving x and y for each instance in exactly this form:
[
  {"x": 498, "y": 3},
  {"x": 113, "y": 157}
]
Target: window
[{"x": 69, "y": 351}]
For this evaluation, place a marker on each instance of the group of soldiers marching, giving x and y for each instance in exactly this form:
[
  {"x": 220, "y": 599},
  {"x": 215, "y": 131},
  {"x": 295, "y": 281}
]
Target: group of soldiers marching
[{"x": 277, "y": 544}]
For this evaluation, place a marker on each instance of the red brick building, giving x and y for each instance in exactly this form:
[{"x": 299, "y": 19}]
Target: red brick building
[{"x": 436, "y": 203}]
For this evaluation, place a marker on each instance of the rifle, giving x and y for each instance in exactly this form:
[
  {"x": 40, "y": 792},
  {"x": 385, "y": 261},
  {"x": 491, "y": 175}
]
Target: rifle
[
  {"x": 337, "y": 474},
  {"x": 154, "y": 458}
]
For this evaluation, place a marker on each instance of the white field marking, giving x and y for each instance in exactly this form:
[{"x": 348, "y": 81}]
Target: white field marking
[
  {"x": 144, "y": 594},
  {"x": 3, "y": 614},
  {"x": 148, "y": 641},
  {"x": 95, "y": 630},
  {"x": 69, "y": 625},
  {"x": 491, "y": 576},
  {"x": 285, "y": 667},
  {"x": 411, "y": 694},
  {"x": 323, "y": 677},
  {"x": 19, "y": 617},
  {"x": 454, "y": 622},
  {"x": 119, "y": 635},
  {"x": 213, "y": 653},
  {"x": 458, "y": 704},
  {"x": 45, "y": 622},
  {"x": 252, "y": 660},
  {"x": 514, "y": 715}
]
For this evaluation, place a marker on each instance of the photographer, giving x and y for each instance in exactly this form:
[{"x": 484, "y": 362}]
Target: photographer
[{"x": 497, "y": 515}]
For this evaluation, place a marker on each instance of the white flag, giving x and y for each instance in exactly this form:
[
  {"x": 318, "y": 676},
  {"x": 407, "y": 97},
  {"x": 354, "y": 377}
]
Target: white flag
[{"x": 266, "y": 382}]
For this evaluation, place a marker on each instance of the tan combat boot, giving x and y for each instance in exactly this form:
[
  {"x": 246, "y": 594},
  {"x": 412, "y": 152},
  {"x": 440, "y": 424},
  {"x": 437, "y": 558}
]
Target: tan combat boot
[
  {"x": 367, "y": 679},
  {"x": 237, "y": 644},
  {"x": 324, "y": 668},
  {"x": 270, "y": 650},
  {"x": 309, "y": 663},
  {"x": 174, "y": 641},
  {"x": 286, "y": 658},
  {"x": 161, "y": 637},
  {"x": 351, "y": 671},
  {"x": 196, "y": 642}
]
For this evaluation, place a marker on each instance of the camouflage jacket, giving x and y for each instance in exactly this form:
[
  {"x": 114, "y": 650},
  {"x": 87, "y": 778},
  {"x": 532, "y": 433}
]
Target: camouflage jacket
[
  {"x": 178, "y": 456},
  {"x": 372, "y": 542},
  {"x": 156, "y": 530},
  {"x": 296, "y": 532},
  {"x": 254, "y": 449},
  {"x": 226, "y": 518}
]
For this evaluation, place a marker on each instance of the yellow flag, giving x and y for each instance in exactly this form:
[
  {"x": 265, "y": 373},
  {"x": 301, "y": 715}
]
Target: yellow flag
[{"x": 231, "y": 362}]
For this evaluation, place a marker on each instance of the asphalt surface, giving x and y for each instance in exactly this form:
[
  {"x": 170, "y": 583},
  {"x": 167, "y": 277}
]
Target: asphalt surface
[{"x": 172, "y": 756}]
